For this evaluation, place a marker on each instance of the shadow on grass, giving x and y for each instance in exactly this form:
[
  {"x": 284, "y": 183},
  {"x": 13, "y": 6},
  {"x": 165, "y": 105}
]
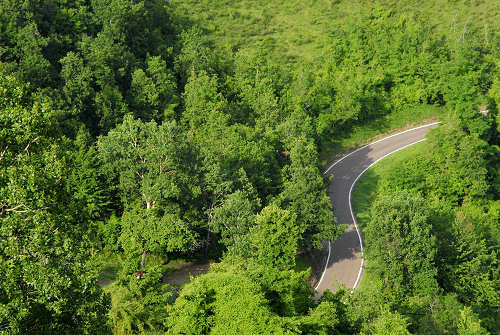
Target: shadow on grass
[
  {"x": 313, "y": 259},
  {"x": 335, "y": 143},
  {"x": 364, "y": 194},
  {"x": 354, "y": 134}
]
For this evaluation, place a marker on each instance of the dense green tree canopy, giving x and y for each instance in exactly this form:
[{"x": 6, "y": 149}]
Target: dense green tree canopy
[
  {"x": 195, "y": 130},
  {"x": 402, "y": 248},
  {"x": 149, "y": 161},
  {"x": 223, "y": 303},
  {"x": 47, "y": 283}
]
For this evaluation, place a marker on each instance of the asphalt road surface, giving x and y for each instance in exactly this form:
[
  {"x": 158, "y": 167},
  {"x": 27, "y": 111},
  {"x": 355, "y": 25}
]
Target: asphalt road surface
[{"x": 344, "y": 265}]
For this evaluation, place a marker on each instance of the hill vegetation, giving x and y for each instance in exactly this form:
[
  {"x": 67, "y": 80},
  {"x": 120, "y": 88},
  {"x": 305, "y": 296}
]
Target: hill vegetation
[
  {"x": 148, "y": 131},
  {"x": 451, "y": 229}
]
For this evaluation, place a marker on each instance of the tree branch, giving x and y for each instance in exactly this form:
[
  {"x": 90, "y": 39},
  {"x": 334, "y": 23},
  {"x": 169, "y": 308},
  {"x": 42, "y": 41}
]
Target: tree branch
[
  {"x": 3, "y": 152},
  {"x": 14, "y": 209},
  {"x": 29, "y": 144}
]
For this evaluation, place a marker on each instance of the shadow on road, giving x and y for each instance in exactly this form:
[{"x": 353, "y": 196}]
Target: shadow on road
[{"x": 344, "y": 174}]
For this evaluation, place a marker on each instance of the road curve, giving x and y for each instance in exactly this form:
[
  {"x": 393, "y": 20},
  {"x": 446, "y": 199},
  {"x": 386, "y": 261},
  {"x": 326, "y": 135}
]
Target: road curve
[{"x": 344, "y": 265}]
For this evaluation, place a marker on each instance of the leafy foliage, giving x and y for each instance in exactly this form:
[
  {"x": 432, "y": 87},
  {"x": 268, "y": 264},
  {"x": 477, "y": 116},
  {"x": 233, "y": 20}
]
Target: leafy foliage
[
  {"x": 402, "y": 247},
  {"x": 191, "y": 129},
  {"x": 223, "y": 303},
  {"x": 48, "y": 284},
  {"x": 139, "y": 306}
]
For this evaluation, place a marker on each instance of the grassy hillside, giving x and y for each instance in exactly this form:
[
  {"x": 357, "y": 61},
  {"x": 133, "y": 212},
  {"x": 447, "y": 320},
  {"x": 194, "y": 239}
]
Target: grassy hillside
[
  {"x": 136, "y": 134},
  {"x": 290, "y": 30},
  {"x": 303, "y": 36},
  {"x": 299, "y": 31}
]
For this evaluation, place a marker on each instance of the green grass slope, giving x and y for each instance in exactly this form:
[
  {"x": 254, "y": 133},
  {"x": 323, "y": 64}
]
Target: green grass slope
[
  {"x": 299, "y": 31},
  {"x": 365, "y": 191}
]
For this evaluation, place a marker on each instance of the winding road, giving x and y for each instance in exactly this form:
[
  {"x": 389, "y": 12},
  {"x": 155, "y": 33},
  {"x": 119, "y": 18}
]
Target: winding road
[{"x": 344, "y": 265}]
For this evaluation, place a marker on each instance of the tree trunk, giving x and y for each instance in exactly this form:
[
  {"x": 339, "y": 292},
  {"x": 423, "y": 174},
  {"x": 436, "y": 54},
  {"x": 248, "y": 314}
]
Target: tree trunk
[{"x": 143, "y": 259}]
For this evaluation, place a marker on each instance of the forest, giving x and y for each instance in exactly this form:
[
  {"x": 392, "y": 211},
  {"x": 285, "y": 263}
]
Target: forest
[{"x": 139, "y": 135}]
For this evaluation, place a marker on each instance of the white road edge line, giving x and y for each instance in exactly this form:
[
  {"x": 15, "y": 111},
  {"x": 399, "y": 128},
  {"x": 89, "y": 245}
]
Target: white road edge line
[
  {"x": 350, "y": 190},
  {"x": 382, "y": 139},
  {"x": 326, "y": 266},
  {"x": 352, "y": 212}
]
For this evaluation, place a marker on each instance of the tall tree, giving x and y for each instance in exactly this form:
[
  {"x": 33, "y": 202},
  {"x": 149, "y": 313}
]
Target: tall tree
[
  {"x": 402, "y": 248},
  {"x": 388, "y": 323},
  {"x": 147, "y": 231},
  {"x": 304, "y": 194},
  {"x": 150, "y": 162},
  {"x": 226, "y": 302},
  {"x": 274, "y": 241},
  {"x": 48, "y": 285},
  {"x": 148, "y": 159},
  {"x": 195, "y": 55},
  {"x": 461, "y": 159},
  {"x": 233, "y": 220},
  {"x": 154, "y": 91},
  {"x": 469, "y": 266},
  {"x": 275, "y": 238},
  {"x": 139, "y": 306}
]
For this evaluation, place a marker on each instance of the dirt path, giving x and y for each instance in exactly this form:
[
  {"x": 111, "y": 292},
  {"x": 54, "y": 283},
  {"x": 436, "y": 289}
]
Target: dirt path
[{"x": 184, "y": 272}]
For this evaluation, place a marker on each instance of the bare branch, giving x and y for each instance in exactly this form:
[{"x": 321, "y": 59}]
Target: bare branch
[
  {"x": 14, "y": 209},
  {"x": 3, "y": 152},
  {"x": 29, "y": 144}
]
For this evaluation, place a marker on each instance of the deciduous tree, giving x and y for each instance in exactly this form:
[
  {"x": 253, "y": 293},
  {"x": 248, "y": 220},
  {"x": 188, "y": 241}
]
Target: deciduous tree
[
  {"x": 48, "y": 284},
  {"x": 402, "y": 248}
]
